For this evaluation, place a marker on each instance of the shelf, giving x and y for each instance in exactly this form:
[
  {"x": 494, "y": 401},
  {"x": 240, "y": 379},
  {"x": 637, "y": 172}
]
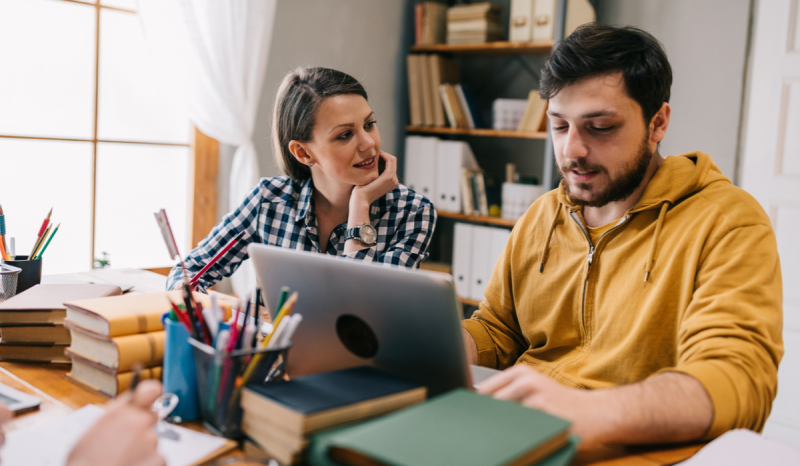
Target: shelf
[
  {"x": 490, "y": 48},
  {"x": 477, "y": 218},
  {"x": 469, "y": 302},
  {"x": 436, "y": 266},
  {"x": 477, "y": 132}
]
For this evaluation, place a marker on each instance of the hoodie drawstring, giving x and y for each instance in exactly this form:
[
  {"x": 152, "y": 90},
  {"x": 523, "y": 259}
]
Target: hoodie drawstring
[
  {"x": 546, "y": 248},
  {"x": 652, "y": 254}
]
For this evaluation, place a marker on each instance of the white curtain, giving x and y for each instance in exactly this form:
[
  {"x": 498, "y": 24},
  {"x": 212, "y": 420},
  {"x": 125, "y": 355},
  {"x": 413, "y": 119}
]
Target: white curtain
[{"x": 215, "y": 54}]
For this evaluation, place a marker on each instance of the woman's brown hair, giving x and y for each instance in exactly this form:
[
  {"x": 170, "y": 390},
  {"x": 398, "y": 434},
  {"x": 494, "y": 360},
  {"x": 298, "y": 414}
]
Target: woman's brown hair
[{"x": 296, "y": 104}]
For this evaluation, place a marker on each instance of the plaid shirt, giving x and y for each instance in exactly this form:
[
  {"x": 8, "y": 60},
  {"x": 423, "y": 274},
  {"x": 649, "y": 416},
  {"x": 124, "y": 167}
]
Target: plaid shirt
[{"x": 280, "y": 212}]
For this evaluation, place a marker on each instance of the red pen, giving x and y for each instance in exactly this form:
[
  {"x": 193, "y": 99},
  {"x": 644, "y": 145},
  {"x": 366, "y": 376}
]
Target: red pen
[
  {"x": 39, "y": 236},
  {"x": 213, "y": 261}
]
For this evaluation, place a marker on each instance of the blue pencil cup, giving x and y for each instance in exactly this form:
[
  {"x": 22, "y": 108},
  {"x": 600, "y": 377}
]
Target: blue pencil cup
[{"x": 179, "y": 374}]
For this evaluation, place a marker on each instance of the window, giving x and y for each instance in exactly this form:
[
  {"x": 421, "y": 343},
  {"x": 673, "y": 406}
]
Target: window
[{"x": 87, "y": 127}]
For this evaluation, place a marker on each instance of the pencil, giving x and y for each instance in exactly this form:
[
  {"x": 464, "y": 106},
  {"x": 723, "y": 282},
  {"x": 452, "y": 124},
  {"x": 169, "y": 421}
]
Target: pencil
[
  {"x": 41, "y": 232},
  {"x": 219, "y": 255},
  {"x": 3, "y": 245},
  {"x": 40, "y": 242},
  {"x": 39, "y": 256}
]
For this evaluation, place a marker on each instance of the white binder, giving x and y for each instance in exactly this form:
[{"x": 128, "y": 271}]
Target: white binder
[
  {"x": 500, "y": 238},
  {"x": 412, "y": 165},
  {"x": 462, "y": 259},
  {"x": 520, "y": 28},
  {"x": 544, "y": 18},
  {"x": 450, "y": 157},
  {"x": 420, "y": 174},
  {"x": 481, "y": 260}
]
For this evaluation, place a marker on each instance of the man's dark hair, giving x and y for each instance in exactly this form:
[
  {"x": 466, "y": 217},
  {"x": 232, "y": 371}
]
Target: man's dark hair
[
  {"x": 299, "y": 97},
  {"x": 595, "y": 49}
]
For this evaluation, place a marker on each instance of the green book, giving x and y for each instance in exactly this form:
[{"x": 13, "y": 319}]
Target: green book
[{"x": 460, "y": 427}]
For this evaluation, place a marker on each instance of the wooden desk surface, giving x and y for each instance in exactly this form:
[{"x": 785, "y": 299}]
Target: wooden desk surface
[{"x": 59, "y": 396}]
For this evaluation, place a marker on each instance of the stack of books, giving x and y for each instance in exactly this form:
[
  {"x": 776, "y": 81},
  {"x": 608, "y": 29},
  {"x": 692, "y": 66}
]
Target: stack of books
[
  {"x": 32, "y": 322},
  {"x": 111, "y": 335},
  {"x": 474, "y": 23},
  {"x": 429, "y": 23},
  {"x": 281, "y": 417},
  {"x": 426, "y": 74}
]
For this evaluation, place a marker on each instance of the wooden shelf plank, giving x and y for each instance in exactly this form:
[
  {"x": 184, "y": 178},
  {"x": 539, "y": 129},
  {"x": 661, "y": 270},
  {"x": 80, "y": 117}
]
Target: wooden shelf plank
[
  {"x": 477, "y": 218},
  {"x": 477, "y": 132},
  {"x": 467, "y": 301},
  {"x": 490, "y": 48}
]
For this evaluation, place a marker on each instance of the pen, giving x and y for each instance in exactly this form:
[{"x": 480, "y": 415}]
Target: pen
[
  {"x": 286, "y": 309},
  {"x": 13, "y": 245},
  {"x": 241, "y": 336},
  {"x": 203, "y": 327},
  {"x": 3, "y": 246},
  {"x": 41, "y": 242},
  {"x": 41, "y": 232},
  {"x": 219, "y": 255}
]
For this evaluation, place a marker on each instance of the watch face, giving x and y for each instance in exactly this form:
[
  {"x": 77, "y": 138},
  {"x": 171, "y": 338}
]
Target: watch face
[{"x": 368, "y": 234}]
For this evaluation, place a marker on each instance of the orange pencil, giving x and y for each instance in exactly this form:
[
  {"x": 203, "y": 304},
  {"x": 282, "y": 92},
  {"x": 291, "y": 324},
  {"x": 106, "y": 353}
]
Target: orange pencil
[
  {"x": 39, "y": 236},
  {"x": 3, "y": 246}
]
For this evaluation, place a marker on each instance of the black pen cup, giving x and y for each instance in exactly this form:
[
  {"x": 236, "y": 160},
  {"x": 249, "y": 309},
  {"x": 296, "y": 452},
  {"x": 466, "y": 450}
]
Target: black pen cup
[
  {"x": 31, "y": 274},
  {"x": 221, "y": 376}
]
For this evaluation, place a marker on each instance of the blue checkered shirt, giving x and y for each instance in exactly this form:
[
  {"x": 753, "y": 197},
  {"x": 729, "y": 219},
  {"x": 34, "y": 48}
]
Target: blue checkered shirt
[{"x": 280, "y": 212}]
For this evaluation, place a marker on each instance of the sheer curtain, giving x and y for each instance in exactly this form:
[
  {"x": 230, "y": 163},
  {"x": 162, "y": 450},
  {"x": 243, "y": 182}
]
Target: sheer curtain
[{"x": 215, "y": 54}]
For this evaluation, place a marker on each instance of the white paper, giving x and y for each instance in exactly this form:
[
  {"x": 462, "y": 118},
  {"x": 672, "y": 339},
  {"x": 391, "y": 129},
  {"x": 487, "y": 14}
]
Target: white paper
[
  {"x": 25, "y": 447},
  {"x": 742, "y": 447}
]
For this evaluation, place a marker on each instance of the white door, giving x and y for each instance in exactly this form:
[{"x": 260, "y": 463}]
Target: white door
[{"x": 770, "y": 171}]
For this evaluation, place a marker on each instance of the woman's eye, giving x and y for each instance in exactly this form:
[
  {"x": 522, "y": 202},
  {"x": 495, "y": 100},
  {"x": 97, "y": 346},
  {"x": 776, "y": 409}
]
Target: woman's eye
[
  {"x": 344, "y": 136},
  {"x": 371, "y": 124}
]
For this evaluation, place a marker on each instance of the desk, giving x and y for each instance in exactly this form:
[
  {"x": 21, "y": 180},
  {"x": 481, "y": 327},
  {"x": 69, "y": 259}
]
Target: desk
[{"x": 59, "y": 396}]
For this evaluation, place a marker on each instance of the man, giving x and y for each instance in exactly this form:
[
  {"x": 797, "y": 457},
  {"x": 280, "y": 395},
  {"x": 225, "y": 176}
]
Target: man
[
  {"x": 124, "y": 436},
  {"x": 655, "y": 282}
]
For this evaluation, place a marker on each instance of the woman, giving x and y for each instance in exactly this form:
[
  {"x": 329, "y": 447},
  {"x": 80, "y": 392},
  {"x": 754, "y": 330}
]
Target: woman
[{"x": 335, "y": 199}]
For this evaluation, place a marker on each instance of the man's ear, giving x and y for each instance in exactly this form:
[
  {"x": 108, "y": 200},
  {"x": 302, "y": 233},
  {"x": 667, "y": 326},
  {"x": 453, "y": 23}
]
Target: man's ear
[
  {"x": 300, "y": 152},
  {"x": 660, "y": 123}
]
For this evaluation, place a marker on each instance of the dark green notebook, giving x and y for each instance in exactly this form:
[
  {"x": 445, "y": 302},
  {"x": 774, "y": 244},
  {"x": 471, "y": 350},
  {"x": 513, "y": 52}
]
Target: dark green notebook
[
  {"x": 311, "y": 394},
  {"x": 460, "y": 427}
]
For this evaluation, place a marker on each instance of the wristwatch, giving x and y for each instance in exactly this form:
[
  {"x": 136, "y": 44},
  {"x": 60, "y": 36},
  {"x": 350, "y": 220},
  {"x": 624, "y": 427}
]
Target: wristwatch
[{"x": 365, "y": 233}]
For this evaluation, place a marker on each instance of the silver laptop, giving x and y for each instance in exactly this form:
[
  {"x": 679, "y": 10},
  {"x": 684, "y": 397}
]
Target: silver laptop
[{"x": 401, "y": 320}]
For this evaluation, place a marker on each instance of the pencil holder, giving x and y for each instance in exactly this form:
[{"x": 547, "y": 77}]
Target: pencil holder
[
  {"x": 219, "y": 382},
  {"x": 179, "y": 376},
  {"x": 8, "y": 281},
  {"x": 31, "y": 274}
]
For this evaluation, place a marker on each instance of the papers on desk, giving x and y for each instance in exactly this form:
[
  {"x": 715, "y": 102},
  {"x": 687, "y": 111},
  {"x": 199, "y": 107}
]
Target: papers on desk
[
  {"x": 745, "y": 448},
  {"x": 24, "y": 448}
]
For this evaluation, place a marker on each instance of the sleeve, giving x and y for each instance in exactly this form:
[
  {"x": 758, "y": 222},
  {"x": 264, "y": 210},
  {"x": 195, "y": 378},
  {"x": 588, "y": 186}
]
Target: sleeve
[
  {"x": 730, "y": 336},
  {"x": 494, "y": 326},
  {"x": 408, "y": 246},
  {"x": 244, "y": 217}
]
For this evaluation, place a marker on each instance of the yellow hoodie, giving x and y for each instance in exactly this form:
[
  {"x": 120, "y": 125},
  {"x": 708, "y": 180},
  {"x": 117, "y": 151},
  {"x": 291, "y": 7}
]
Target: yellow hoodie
[{"x": 688, "y": 280}]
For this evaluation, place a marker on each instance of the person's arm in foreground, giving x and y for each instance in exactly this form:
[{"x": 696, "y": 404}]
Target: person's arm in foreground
[
  {"x": 669, "y": 407},
  {"x": 124, "y": 436}
]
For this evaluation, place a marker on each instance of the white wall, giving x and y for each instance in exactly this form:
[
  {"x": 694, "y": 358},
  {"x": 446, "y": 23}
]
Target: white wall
[
  {"x": 706, "y": 42},
  {"x": 364, "y": 38}
]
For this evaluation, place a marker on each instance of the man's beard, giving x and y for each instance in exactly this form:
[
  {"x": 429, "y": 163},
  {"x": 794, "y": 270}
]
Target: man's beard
[{"x": 619, "y": 188}]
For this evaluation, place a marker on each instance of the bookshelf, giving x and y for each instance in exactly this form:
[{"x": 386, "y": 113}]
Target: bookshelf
[
  {"x": 503, "y": 222},
  {"x": 475, "y": 132},
  {"x": 489, "y": 48}
]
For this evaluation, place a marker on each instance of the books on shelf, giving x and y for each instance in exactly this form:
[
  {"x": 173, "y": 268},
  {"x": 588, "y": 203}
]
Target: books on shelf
[
  {"x": 534, "y": 20},
  {"x": 451, "y": 157},
  {"x": 32, "y": 323},
  {"x": 507, "y": 113},
  {"x": 446, "y": 428},
  {"x": 533, "y": 120},
  {"x": 280, "y": 417},
  {"x": 429, "y": 23},
  {"x": 426, "y": 75},
  {"x": 474, "y": 23},
  {"x": 517, "y": 198}
]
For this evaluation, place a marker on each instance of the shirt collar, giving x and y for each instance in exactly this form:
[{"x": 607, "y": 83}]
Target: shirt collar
[{"x": 304, "y": 201}]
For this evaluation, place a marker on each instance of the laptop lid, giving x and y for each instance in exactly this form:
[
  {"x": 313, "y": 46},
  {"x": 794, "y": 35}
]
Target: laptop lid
[{"x": 354, "y": 313}]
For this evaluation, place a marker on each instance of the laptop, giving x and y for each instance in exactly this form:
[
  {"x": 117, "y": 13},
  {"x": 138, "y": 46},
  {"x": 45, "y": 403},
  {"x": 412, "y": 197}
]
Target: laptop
[{"x": 401, "y": 320}]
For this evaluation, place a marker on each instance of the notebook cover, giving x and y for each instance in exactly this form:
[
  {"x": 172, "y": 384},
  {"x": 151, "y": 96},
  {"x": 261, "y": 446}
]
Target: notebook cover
[
  {"x": 315, "y": 393},
  {"x": 44, "y": 298},
  {"x": 459, "y": 427}
]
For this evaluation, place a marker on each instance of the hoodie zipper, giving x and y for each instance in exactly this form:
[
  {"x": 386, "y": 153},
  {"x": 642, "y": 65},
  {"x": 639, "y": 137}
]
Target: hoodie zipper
[{"x": 578, "y": 222}]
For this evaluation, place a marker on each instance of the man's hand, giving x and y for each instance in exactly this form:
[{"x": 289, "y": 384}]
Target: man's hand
[
  {"x": 124, "y": 436},
  {"x": 529, "y": 387},
  {"x": 669, "y": 407}
]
